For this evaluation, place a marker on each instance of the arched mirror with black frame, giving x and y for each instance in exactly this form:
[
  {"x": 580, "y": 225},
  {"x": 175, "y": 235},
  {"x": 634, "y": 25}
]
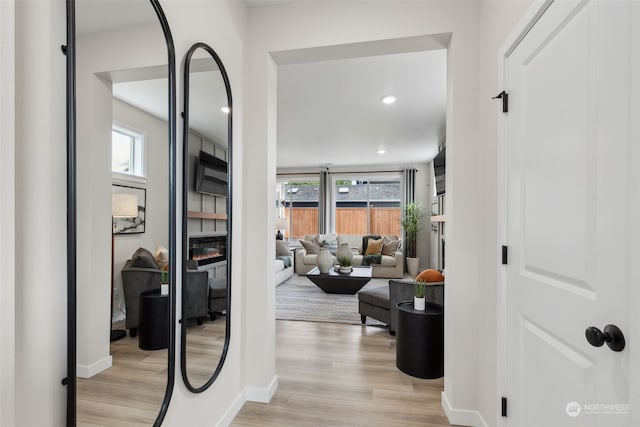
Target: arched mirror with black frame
[
  {"x": 121, "y": 95},
  {"x": 207, "y": 215}
]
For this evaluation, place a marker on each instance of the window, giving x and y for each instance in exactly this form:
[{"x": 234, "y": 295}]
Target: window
[
  {"x": 368, "y": 205},
  {"x": 127, "y": 151},
  {"x": 298, "y": 202}
]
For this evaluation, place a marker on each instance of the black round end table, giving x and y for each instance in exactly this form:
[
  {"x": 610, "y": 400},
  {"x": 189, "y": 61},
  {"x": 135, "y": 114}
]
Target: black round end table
[
  {"x": 153, "y": 328},
  {"x": 420, "y": 340}
]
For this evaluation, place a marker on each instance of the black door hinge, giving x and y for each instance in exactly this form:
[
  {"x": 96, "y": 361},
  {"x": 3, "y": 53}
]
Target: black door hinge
[
  {"x": 63, "y": 48},
  {"x": 505, "y": 100},
  {"x": 504, "y": 255},
  {"x": 504, "y": 406},
  {"x": 65, "y": 381}
]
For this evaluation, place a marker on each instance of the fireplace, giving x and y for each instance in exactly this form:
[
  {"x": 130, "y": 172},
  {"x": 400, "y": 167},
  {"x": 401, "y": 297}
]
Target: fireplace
[{"x": 205, "y": 250}]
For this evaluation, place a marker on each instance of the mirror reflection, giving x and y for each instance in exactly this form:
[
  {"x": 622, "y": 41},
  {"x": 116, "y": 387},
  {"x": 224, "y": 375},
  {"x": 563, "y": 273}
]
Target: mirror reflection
[
  {"x": 205, "y": 292},
  {"x": 123, "y": 219}
]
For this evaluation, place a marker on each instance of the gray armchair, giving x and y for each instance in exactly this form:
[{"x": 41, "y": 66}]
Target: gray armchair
[
  {"x": 380, "y": 303},
  {"x": 196, "y": 296},
  {"x": 136, "y": 280}
]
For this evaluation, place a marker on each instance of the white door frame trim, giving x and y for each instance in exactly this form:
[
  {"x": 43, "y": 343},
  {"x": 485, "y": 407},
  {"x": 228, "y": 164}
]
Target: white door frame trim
[{"x": 529, "y": 19}]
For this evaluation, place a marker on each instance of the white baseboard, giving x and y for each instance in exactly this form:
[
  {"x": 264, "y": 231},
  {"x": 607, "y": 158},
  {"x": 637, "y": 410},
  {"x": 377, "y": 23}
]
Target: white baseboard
[
  {"x": 461, "y": 417},
  {"x": 262, "y": 395},
  {"x": 87, "y": 371},
  {"x": 233, "y": 410}
]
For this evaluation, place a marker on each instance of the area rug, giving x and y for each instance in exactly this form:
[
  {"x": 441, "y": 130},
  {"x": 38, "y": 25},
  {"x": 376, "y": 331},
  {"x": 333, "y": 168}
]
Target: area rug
[{"x": 299, "y": 299}]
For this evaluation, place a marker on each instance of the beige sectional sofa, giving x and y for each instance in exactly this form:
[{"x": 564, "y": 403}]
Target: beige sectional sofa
[{"x": 390, "y": 267}]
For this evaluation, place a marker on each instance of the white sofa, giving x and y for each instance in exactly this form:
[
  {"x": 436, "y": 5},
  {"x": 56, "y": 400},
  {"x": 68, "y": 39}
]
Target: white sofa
[
  {"x": 390, "y": 267},
  {"x": 282, "y": 272}
]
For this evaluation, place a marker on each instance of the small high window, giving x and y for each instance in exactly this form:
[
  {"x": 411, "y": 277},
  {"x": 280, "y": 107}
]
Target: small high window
[{"x": 127, "y": 151}]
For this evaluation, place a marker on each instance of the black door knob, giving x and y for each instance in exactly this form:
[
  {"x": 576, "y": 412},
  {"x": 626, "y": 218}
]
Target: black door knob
[{"x": 612, "y": 335}]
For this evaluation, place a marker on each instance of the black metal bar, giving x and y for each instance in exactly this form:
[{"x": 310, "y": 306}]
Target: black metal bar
[
  {"x": 185, "y": 180},
  {"x": 70, "y": 52},
  {"x": 504, "y": 406},
  {"x": 171, "y": 57},
  {"x": 504, "y": 255}
]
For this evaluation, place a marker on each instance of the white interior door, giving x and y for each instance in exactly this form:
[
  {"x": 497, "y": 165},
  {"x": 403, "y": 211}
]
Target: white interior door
[{"x": 570, "y": 197}]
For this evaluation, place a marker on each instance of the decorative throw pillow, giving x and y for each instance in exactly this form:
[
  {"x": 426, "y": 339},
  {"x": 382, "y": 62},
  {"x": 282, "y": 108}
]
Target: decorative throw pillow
[
  {"x": 311, "y": 247},
  {"x": 374, "y": 247},
  {"x": 430, "y": 276},
  {"x": 365, "y": 241},
  {"x": 315, "y": 238},
  {"x": 282, "y": 248},
  {"x": 390, "y": 247},
  {"x": 142, "y": 258},
  {"x": 161, "y": 256},
  {"x": 332, "y": 245}
]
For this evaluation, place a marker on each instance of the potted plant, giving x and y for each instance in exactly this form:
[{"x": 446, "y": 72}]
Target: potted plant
[
  {"x": 345, "y": 265},
  {"x": 419, "y": 290},
  {"x": 411, "y": 214},
  {"x": 164, "y": 280}
]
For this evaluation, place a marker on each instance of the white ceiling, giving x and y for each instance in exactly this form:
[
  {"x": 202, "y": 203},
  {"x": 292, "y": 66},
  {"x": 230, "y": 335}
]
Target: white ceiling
[
  {"x": 207, "y": 95},
  {"x": 330, "y": 112}
]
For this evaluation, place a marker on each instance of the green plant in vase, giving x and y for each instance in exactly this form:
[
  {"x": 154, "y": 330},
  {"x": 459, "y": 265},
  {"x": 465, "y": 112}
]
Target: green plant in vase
[
  {"x": 411, "y": 215},
  {"x": 419, "y": 291},
  {"x": 164, "y": 276},
  {"x": 164, "y": 280},
  {"x": 345, "y": 265}
]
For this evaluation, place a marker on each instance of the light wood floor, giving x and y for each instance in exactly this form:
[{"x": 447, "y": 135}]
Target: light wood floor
[
  {"x": 343, "y": 375},
  {"x": 129, "y": 394},
  {"x": 329, "y": 375}
]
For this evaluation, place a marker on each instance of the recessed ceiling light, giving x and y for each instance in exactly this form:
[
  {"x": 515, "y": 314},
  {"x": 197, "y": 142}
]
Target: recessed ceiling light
[
  {"x": 381, "y": 151},
  {"x": 389, "y": 99},
  {"x": 225, "y": 109}
]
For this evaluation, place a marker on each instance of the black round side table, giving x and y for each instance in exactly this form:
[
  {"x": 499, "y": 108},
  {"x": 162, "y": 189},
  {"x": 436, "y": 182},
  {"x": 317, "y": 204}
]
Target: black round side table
[
  {"x": 153, "y": 328},
  {"x": 420, "y": 340}
]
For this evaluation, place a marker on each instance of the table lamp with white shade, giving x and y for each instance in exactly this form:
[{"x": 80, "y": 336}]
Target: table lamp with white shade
[{"x": 122, "y": 206}]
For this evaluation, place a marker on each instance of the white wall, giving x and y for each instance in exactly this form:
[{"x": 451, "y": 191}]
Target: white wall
[
  {"x": 40, "y": 299},
  {"x": 222, "y": 26},
  {"x": 40, "y": 180},
  {"x": 40, "y": 225},
  {"x": 497, "y": 20},
  {"x": 302, "y": 25},
  {"x": 7, "y": 212},
  {"x": 157, "y": 197}
]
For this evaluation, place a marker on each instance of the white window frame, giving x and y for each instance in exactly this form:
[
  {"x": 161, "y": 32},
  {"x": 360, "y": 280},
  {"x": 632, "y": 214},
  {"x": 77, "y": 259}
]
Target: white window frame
[
  {"x": 360, "y": 176},
  {"x": 139, "y": 156}
]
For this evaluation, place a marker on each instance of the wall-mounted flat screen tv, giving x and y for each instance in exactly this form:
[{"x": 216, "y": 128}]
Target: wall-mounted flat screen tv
[
  {"x": 439, "y": 163},
  {"x": 211, "y": 175}
]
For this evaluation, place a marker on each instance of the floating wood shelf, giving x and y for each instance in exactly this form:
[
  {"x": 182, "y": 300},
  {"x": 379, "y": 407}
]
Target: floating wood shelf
[
  {"x": 206, "y": 215},
  {"x": 437, "y": 218}
]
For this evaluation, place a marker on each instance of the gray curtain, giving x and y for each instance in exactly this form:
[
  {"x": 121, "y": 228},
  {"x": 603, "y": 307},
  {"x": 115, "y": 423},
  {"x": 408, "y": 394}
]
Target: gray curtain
[
  {"x": 323, "y": 201},
  {"x": 409, "y": 186},
  {"x": 408, "y": 196}
]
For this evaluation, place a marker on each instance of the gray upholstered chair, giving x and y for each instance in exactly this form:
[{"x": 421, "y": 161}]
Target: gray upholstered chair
[
  {"x": 136, "y": 280},
  {"x": 196, "y": 303},
  {"x": 217, "y": 296},
  {"x": 380, "y": 303}
]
